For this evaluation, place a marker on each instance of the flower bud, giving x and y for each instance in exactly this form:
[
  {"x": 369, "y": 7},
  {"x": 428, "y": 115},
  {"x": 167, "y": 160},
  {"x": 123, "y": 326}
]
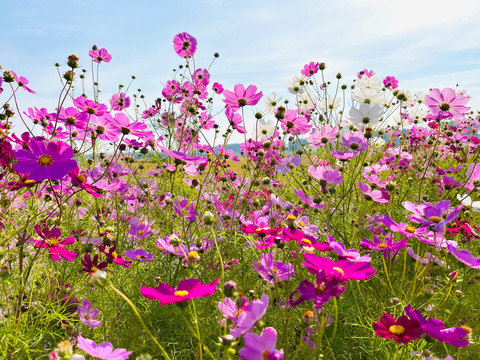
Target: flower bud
[
  {"x": 72, "y": 61},
  {"x": 208, "y": 218},
  {"x": 308, "y": 317},
  {"x": 99, "y": 279},
  {"x": 229, "y": 288}
]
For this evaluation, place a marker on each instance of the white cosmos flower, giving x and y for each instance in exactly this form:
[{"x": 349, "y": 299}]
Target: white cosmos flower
[
  {"x": 304, "y": 101},
  {"x": 467, "y": 201},
  {"x": 271, "y": 103},
  {"x": 330, "y": 104},
  {"x": 366, "y": 115},
  {"x": 406, "y": 97},
  {"x": 297, "y": 85},
  {"x": 369, "y": 96},
  {"x": 371, "y": 82},
  {"x": 264, "y": 130}
]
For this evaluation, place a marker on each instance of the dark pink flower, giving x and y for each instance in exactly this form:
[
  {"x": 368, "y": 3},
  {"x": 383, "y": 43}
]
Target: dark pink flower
[
  {"x": 187, "y": 290},
  {"x": 343, "y": 269},
  {"x": 119, "y": 102},
  {"x": 321, "y": 292},
  {"x": 403, "y": 330},
  {"x": 185, "y": 45},
  {"x": 52, "y": 238},
  {"x": 310, "y": 69},
  {"x": 367, "y": 73},
  {"x": 375, "y": 195},
  {"x": 295, "y": 123},
  {"x": 390, "y": 82}
]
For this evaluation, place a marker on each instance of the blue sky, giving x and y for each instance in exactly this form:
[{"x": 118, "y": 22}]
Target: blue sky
[{"x": 424, "y": 43}]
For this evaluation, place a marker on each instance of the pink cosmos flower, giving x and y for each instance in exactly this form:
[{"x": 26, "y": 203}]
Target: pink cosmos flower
[
  {"x": 103, "y": 351},
  {"x": 119, "y": 101},
  {"x": 139, "y": 229},
  {"x": 187, "y": 290},
  {"x": 185, "y": 45},
  {"x": 218, "y": 88},
  {"x": 261, "y": 347},
  {"x": 235, "y": 120},
  {"x": 432, "y": 216},
  {"x": 446, "y": 103},
  {"x": 22, "y": 82},
  {"x": 241, "y": 97},
  {"x": 375, "y": 195},
  {"x": 310, "y": 69},
  {"x": 99, "y": 55},
  {"x": 355, "y": 141},
  {"x": 436, "y": 329},
  {"x": 464, "y": 256},
  {"x": 387, "y": 247},
  {"x": 324, "y": 136},
  {"x": 87, "y": 315},
  {"x": 272, "y": 271},
  {"x": 390, "y": 82},
  {"x": 295, "y": 123},
  {"x": 89, "y": 106},
  {"x": 45, "y": 160},
  {"x": 325, "y": 175},
  {"x": 345, "y": 269},
  {"x": 351, "y": 254},
  {"x": 231, "y": 310},
  {"x": 325, "y": 288},
  {"x": 52, "y": 238},
  {"x": 254, "y": 311},
  {"x": 365, "y": 72}
]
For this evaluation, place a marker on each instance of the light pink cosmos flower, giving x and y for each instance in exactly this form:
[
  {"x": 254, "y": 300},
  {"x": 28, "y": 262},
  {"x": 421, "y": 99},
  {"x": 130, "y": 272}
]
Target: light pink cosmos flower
[
  {"x": 87, "y": 314},
  {"x": 254, "y": 311},
  {"x": 119, "y": 101},
  {"x": 324, "y": 136},
  {"x": 272, "y": 271},
  {"x": 99, "y": 55},
  {"x": 325, "y": 175},
  {"x": 241, "y": 97},
  {"x": 446, "y": 103},
  {"x": 103, "y": 351},
  {"x": 185, "y": 45},
  {"x": 259, "y": 347},
  {"x": 375, "y": 195},
  {"x": 355, "y": 141},
  {"x": 365, "y": 72},
  {"x": 464, "y": 256}
]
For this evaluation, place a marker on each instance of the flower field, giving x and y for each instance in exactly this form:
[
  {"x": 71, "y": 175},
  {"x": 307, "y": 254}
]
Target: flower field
[{"x": 346, "y": 228}]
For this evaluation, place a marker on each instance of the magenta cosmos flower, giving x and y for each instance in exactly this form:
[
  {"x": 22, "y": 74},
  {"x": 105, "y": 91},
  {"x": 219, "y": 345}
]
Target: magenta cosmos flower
[
  {"x": 241, "y": 97},
  {"x": 45, "y": 160},
  {"x": 185, "y": 45},
  {"x": 325, "y": 175},
  {"x": 52, "y": 238},
  {"x": 103, "y": 351},
  {"x": 436, "y": 329},
  {"x": 432, "y": 216},
  {"x": 187, "y": 290},
  {"x": 446, "y": 103},
  {"x": 99, "y": 55},
  {"x": 345, "y": 269},
  {"x": 261, "y": 347},
  {"x": 403, "y": 330},
  {"x": 321, "y": 292}
]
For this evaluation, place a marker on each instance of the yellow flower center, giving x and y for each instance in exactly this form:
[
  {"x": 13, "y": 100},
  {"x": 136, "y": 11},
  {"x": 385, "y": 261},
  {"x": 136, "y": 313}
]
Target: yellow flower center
[
  {"x": 238, "y": 313},
  {"x": 53, "y": 241},
  {"x": 29, "y": 182},
  {"x": 193, "y": 255},
  {"x": 181, "y": 293},
  {"x": 87, "y": 316},
  {"x": 81, "y": 178},
  {"x": 397, "y": 329},
  {"x": 340, "y": 270},
  {"x": 306, "y": 242},
  {"x": 140, "y": 232},
  {"x": 93, "y": 269},
  {"x": 410, "y": 229},
  {"x": 382, "y": 246},
  {"x": 45, "y": 160},
  {"x": 301, "y": 223},
  {"x": 114, "y": 255},
  {"x": 320, "y": 288},
  {"x": 275, "y": 270},
  {"x": 291, "y": 217},
  {"x": 435, "y": 219}
]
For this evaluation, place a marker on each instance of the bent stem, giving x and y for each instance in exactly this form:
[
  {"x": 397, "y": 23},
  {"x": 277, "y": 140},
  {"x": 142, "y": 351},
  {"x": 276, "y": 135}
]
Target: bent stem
[{"x": 135, "y": 310}]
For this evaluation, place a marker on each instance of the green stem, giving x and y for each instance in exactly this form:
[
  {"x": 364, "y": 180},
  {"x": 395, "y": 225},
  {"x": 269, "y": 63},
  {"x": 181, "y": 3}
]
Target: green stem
[{"x": 135, "y": 310}]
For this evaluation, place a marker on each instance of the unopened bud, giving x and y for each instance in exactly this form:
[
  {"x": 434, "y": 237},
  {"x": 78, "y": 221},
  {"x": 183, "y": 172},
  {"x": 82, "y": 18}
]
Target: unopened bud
[
  {"x": 208, "y": 218},
  {"x": 99, "y": 279}
]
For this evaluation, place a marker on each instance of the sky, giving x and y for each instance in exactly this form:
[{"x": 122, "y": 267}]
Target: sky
[{"x": 424, "y": 44}]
